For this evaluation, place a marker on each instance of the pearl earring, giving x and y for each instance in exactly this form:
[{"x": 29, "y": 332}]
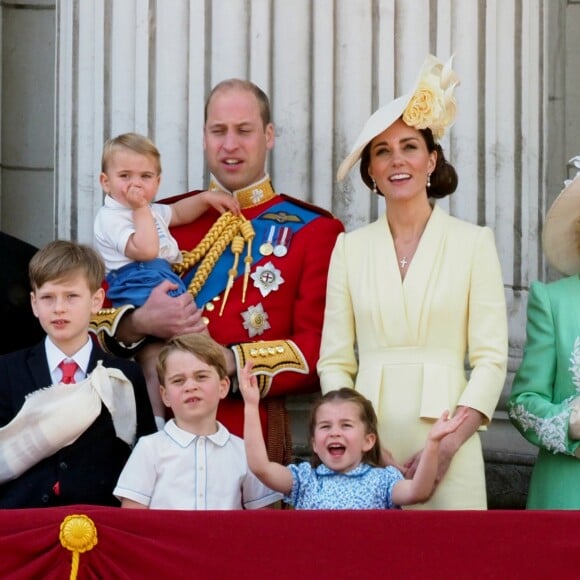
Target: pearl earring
[
  {"x": 428, "y": 180},
  {"x": 374, "y": 186}
]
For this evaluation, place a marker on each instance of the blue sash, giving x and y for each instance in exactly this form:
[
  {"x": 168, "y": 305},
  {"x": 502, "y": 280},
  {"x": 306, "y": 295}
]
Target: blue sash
[{"x": 283, "y": 214}]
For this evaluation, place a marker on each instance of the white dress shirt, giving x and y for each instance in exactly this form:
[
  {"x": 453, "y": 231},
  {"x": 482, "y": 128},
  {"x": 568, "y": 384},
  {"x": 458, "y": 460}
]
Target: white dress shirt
[{"x": 55, "y": 356}]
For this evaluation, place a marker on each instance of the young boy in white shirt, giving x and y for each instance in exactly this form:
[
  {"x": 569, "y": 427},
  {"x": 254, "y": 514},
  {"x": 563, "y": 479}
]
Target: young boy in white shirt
[{"x": 194, "y": 463}]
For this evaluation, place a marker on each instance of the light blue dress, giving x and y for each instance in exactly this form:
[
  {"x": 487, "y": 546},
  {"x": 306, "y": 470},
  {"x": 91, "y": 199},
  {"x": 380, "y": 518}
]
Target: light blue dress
[{"x": 364, "y": 487}]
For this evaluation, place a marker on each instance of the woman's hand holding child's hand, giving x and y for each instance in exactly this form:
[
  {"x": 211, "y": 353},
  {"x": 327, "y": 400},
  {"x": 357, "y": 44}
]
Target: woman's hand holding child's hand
[{"x": 445, "y": 425}]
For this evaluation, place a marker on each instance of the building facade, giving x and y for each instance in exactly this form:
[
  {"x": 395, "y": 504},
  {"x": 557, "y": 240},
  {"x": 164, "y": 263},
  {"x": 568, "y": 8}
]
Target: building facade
[{"x": 75, "y": 72}]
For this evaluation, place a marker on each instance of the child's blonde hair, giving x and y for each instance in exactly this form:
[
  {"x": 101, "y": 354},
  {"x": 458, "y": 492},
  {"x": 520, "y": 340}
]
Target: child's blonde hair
[
  {"x": 133, "y": 142},
  {"x": 62, "y": 259},
  {"x": 367, "y": 416},
  {"x": 199, "y": 345}
]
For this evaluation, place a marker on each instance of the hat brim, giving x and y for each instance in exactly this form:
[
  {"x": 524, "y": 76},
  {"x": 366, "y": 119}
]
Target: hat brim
[
  {"x": 559, "y": 237},
  {"x": 384, "y": 117},
  {"x": 378, "y": 122}
]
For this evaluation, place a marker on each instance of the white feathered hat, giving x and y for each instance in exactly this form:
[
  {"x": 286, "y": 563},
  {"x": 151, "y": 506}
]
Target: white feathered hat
[{"x": 430, "y": 104}]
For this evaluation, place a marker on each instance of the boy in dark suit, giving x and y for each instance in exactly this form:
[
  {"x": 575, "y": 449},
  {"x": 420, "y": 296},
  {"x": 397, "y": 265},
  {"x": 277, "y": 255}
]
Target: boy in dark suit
[{"x": 84, "y": 409}]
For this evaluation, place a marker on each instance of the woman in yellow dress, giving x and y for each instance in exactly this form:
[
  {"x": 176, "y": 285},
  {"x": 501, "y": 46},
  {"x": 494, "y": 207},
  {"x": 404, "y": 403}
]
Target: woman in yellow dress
[{"x": 416, "y": 294}]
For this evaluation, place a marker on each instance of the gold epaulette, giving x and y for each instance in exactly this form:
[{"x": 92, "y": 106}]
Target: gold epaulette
[
  {"x": 105, "y": 322},
  {"x": 269, "y": 358}
]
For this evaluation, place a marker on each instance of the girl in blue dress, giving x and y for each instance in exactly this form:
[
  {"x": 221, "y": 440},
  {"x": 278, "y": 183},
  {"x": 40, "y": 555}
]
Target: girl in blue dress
[{"x": 346, "y": 471}]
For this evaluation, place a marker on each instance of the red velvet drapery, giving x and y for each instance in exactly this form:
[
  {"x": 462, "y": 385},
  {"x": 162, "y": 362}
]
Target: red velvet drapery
[{"x": 294, "y": 544}]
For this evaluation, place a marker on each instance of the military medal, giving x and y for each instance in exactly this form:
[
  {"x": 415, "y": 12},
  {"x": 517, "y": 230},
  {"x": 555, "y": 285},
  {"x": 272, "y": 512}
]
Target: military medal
[
  {"x": 283, "y": 242},
  {"x": 267, "y": 278},
  {"x": 267, "y": 247},
  {"x": 255, "y": 320}
]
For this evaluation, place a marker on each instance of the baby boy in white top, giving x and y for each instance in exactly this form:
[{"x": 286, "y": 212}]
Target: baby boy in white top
[
  {"x": 346, "y": 471},
  {"x": 132, "y": 234},
  {"x": 194, "y": 463}
]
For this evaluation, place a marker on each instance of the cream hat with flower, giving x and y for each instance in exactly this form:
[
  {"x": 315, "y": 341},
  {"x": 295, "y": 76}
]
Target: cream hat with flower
[
  {"x": 561, "y": 232},
  {"x": 430, "y": 104}
]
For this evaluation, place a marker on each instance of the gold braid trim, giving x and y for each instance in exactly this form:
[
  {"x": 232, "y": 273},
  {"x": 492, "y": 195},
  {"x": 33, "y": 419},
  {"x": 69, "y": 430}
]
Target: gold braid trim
[
  {"x": 107, "y": 319},
  {"x": 269, "y": 358},
  {"x": 190, "y": 259},
  {"x": 211, "y": 247},
  {"x": 249, "y": 234},
  {"x": 213, "y": 255},
  {"x": 237, "y": 249}
]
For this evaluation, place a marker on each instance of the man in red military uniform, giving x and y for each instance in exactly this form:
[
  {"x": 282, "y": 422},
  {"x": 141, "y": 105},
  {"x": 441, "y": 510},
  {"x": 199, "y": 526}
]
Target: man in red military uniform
[{"x": 259, "y": 283}]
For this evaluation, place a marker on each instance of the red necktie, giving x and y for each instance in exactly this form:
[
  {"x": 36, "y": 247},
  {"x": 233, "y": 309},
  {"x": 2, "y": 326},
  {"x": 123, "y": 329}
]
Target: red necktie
[
  {"x": 68, "y": 377},
  {"x": 68, "y": 371}
]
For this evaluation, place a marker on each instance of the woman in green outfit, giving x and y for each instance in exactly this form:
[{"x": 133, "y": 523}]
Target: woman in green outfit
[{"x": 545, "y": 400}]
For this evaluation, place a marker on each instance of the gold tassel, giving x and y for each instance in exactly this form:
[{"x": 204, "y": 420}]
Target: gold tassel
[
  {"x": 212, "y": 246},
  {"x": 237, "y": 249},
  {"x": 248, "y": 232}
]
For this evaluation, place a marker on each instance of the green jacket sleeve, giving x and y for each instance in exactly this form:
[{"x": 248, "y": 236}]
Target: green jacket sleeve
[{"x": 540, "y": 416}]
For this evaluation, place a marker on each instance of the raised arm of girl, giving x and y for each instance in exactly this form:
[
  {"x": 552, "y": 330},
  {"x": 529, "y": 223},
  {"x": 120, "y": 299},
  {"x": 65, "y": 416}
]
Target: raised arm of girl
[{"x": 275, "y": 476}]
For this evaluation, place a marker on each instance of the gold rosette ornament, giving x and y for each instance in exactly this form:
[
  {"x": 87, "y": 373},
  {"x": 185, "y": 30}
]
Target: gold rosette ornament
[{"x": 78, "y": 534}]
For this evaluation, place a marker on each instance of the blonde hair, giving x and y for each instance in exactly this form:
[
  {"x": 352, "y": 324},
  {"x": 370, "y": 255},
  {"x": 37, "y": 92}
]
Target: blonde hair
[
  {"x": 133, "y": 142},
  {"x": 62, "y": 259},
  {"x": 199, "y": 345}
]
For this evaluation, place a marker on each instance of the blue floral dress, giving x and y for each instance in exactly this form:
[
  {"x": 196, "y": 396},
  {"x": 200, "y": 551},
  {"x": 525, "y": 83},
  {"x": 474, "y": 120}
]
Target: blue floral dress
[{"x": 364, "y": 487}]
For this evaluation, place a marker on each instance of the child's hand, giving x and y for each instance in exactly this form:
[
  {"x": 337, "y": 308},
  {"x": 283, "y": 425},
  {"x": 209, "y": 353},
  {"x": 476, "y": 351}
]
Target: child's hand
[
  {"x": 135, "y": 197},
  {"x": 223, "y": 202},
  {"x": 248, "y": 385},
  {"x": 444, "y": 425}
]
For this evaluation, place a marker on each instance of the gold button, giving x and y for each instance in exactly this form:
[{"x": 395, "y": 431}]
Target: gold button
[
  {"x": 210, "y": 306},
  {"x": 263, "y": 352},
  {"x": 205, "y": 320},
  {"x": 216, "y": 299},
  {"x": 271, "y": 350},
  {"x": 253, "y": 352},
  {"x": 280, "y": 349}
]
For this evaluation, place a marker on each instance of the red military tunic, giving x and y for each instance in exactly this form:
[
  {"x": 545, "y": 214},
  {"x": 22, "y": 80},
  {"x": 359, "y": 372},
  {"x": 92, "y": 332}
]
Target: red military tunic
[{"x": 279, "y": 324}]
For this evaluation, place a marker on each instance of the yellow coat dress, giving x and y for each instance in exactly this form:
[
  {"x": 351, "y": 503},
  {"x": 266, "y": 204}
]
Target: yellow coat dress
[{"x": 403, "y": 344}]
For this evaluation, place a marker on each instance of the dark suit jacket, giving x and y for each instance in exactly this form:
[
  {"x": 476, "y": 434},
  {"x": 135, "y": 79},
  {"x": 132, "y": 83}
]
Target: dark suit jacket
[{"x": 88, "y": 469}]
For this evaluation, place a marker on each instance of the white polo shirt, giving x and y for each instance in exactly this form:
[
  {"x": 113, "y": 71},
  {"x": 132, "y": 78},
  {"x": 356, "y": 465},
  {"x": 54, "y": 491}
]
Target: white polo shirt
[
  {"x": 114, "y": 226},
  {"x": 175, "y": 469}
]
